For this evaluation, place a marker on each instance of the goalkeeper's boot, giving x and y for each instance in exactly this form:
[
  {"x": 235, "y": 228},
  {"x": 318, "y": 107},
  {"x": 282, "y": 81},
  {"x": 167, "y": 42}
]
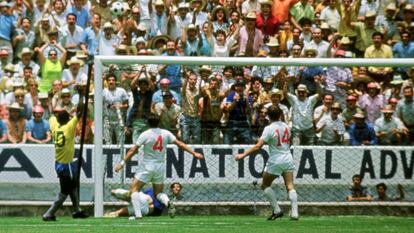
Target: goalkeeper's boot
[
  {"x": 275, "y": 216},
  {"x": 80, "y": 214},
  {"x": 294, "y": 218},
  {"x": 49, "y": 218},
  {"x": 171, "y": 209}
]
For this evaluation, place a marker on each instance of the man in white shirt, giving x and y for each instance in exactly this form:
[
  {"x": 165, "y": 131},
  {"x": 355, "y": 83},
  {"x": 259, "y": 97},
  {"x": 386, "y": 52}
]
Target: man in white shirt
[
  {"x": 73, "y": 35},
  {"x": 280, "y": 162},
  {"x": 109, "y": 41},
  {"x": 73, "y": 74},
  {"x": 151, "y": 166},
  {"x": 331, "y": 127},
  {"x": 317, "y": 43}
]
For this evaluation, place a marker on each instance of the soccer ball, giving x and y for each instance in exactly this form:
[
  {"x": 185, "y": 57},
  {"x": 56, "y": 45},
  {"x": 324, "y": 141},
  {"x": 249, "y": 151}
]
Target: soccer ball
[{"x": 117, "y": 8}]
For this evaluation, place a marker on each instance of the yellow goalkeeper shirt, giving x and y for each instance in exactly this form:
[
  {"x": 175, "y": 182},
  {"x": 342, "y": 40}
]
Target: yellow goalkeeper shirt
[{"x": 64, "y": 139}]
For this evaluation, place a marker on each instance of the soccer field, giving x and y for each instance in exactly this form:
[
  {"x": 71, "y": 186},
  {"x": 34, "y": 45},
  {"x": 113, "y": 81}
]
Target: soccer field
[{"x": 183, "y": 224}]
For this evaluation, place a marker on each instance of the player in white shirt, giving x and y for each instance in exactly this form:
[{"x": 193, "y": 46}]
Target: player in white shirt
[
  {"x": 151, "y": 167},
  {"x": 280, "y": 162}
]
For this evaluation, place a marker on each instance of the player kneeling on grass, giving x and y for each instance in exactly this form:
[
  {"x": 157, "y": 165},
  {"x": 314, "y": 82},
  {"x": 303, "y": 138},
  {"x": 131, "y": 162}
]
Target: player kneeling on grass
[
  {"x": 151, "y": 167},
  {"x": 63, "y": 129},
  {"x": 150, "y": 206},
  {"x": 280, "y": 162}
]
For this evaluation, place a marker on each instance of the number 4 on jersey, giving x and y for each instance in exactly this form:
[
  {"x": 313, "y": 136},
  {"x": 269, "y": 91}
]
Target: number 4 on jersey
[
  {"x": 158, "y": 144},
  {"x": 285, "y": 138}
]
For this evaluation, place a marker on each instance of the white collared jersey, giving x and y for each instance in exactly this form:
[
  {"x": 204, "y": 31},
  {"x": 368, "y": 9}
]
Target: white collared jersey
[
  {"x": 277, "y": 136},
  {"x": 154, "y": 142}
]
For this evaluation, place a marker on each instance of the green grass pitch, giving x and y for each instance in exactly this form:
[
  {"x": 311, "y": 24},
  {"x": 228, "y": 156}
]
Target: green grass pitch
[{"x": 227, "y": 224}]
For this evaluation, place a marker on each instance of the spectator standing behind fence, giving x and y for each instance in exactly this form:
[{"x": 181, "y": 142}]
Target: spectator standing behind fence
[
  {"x": 238, "y": 105},
  {"x": 7, "y": 25},
  {"x": 302, "y": 9},
  {"x": 379, "y": 50},
  {"x": 169, "y": 113},
  {"x": 16, "y": 124},
  {"x": 251, "y": 38},
  {"x": 358, "y": 192},
  {"x": 383, "y": 196},
  {"x": 389, "y": 129},
  {"x": 331, "y": 127},
  {"x": 361, "y": 132},
  {"x": 324, "y": 109},
  {"x": 23, "y": 37},
  {"x": 38, "y": 129},
  {"x": 26, "y": 60},
  {"x": 3, "y": 131},
  {"x": 190, "y": 120},
  {"x": 372, "y": 102},
  {"x": 303, "y": 132},
  {"x": 405, "y": 111}
]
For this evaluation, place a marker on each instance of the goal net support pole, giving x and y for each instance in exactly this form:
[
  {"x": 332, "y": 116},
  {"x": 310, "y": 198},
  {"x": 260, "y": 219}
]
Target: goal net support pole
[{"x": 237, "y": 61}]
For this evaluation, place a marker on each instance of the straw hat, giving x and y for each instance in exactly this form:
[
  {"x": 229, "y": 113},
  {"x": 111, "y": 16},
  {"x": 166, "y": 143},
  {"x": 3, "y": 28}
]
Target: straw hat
[
  {"x": 202, "y": 5},
  {"x": 65, "y": 91},
  {"x": 5, "y": 4},
  {"x": 359, "y": 115},
  {"x": 276, "y": 91},
  {"x": 74, "y": 60},
  {"x": 266, "y": 2},
  {"x": 205, "y": 68},
  {"x": 310, "y": 50},
  {"x": 272, "y": 42},
  {"x": 42, "y": 95},
  {"x": 108, "y": 25},
  {"x": 191, "y": 27},
  {"x": 159, "y": 3},
  {"x": 156, "y": 39},
  {"x": 336, "y": 105},
  {"x": 217, "y": 8},
  {"x": 142, "y": 27},
  {"x": 345, "y": 40},
  {"x": 25, "y": 50},
  {"x": 324, "y": 25},
  {"x": 370, "y": 14},
  {"x": 391, "y": 7},
  {"x": 183, "y": 5},
  {"x": 251, "y": 15},
  {"x": 46, "y": 17},
  {"x": 15, "y": 106},
  {"x": 80, "y": 54}
]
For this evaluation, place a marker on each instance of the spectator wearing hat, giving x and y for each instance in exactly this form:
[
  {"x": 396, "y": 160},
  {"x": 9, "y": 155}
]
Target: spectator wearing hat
[
  {"x": 408, "y": 13},
  {"x": 23, "y": 37},
  {"x": 368, "y": 5},
  {"x": 82, "y": 15},
  {"x": 73, "y": 34},
  {"x": 379, "y": 50},
  {"x": 350, "y": 110},
  {"x": 338, "y": 80},
  {"x": 330, "y": 14},
  {"x": 26, "y": 61},
  {"x": 64, "y": 100},
  {"x": 159, "y": 18},
  {"x": 303, "y": 132},
  {"x": 164, "y": 86},
  {"x": 44, "y": 102},
  {"x": 73, "y": 75},
  {"x": 18, "y": 96},
  {"x": 251, "y": 38},
  {"x": 109, "y": 41},
  {"x": 89, "y": 41},
  {"x": 191, "y": 41},
  {"x": 364, "y": 32},
  {"x": 386, "y": 22},
  {"x": 317, "y": 43},
  {"x": 265, "y": 20},
  {"x": 41, "y": 32},
  {"x": 301, "y": 9},
  {"x": 178, "y": 22},
  {"x": 51, "y": 65},
  {"x": 3, "y": 129},
  {"x": 403, "y": 49},
  {"x": 39, "y": 9},
  {"x": 331, "y": 127},
  {"x": 16, "y": 124},
  {"x": 361, "y": 132},
  {"x": 238, "y": 104},
  {"x": 38, "y": 129},
  {"x": 250, "y": 6},
  {"x": 220, "y": 18},
  {"x": 141, "y": 107},
  {"x": 405, "y": 111},
  {"x": 31, "y": 96},
  {"x": 169, "y": 113},
  {"x": 7, "y": 26},
  {"x": 115, "y": 105},
  {"x": 309, "y": 75},
  {"x": 211, "y": 112},
  {"x": 372, "y": 102},
  {"x": 389, "y": 129},
  {"x": 276, "y": 97}
]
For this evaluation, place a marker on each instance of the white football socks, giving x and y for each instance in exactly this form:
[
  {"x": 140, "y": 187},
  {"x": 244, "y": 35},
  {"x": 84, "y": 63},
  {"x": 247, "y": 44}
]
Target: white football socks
[
  {"x": 271, "y": 197},
  {"x": 163, "y": 198},
  {"x": 293, "y": 197},
  {"x": 136, "y": 204}
]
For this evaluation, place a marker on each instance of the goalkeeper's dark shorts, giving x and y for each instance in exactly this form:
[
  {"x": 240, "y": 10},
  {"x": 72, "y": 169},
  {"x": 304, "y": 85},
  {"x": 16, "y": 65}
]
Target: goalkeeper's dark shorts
[{"x": 67, "y": 173}]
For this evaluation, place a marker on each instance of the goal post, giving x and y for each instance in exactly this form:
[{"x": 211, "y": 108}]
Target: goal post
[{"x": 101, "y": 61}]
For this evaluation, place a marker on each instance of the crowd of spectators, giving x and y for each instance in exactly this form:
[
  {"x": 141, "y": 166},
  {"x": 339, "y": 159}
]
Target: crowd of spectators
[{"x": 47, "y": 50}]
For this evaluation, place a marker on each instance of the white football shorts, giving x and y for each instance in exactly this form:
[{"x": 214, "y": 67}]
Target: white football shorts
[
  {"x": 151, "y": 172},
  {"x": 278, "y": 168}
]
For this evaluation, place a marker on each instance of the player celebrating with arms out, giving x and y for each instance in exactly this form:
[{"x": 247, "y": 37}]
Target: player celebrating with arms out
[
  {"x": 280, "y": 162},
  {"x": 152, "y": 166}
]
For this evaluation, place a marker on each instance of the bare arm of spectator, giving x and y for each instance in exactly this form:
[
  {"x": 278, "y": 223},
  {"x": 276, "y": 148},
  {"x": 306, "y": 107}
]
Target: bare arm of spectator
[
  {"x": 200, "y": 39},
  {"x": 150, "y": 7},
  {"x": 64, "y": 53},
  {"x": 30, "y": 138},
  {"x": 4, "y": 137},
  {"x": 48, "y": 137},
  {"x": 29, "y": 5},
  {"x": 40, "y": 54},
  {"x": 294, "y": 23}
]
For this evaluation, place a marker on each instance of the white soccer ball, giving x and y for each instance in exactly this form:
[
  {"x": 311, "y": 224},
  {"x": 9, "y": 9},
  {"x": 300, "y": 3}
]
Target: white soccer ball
[{"x": 117, "y": 8}]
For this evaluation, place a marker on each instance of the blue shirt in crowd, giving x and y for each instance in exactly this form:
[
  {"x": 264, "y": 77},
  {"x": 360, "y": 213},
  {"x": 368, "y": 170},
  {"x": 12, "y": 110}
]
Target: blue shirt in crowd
[{"x": 38, "y": 129}]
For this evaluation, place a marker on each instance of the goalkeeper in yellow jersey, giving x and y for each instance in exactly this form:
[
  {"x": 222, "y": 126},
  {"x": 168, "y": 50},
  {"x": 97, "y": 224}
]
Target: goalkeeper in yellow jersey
[{"x": 63, "y": 129}]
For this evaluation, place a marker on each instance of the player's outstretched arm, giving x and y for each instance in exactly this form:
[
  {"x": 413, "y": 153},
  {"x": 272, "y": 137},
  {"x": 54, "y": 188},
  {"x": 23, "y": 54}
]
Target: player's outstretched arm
[
  {"x": 184, "y": 146},
  {"x": 253, "y": 149},
  {"x": 128, "y": 156}
]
